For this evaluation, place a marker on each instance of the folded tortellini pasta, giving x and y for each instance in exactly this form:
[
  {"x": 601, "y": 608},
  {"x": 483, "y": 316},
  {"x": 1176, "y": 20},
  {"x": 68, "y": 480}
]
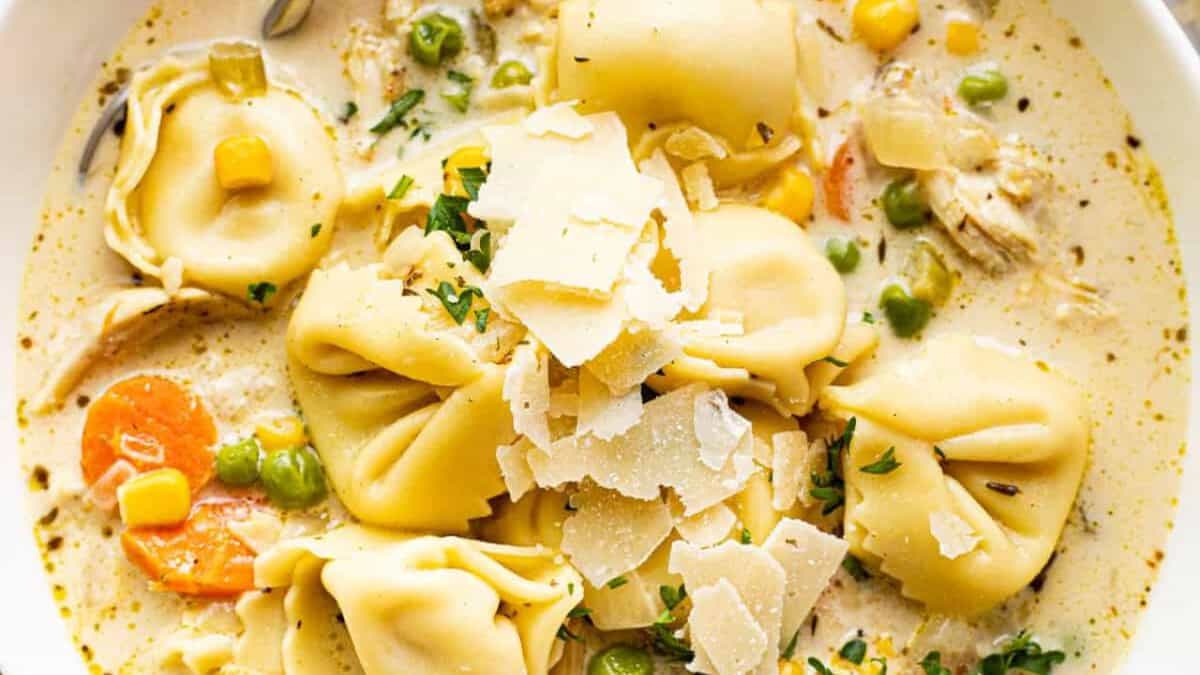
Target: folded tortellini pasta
[
  {"x": 987, "y": 451},
  {"x": 775, "y": 306},
  {"x": 660, "y": 62},
  {"x": 419, "y": 605},
  {"x": 167, "y": 202},
  {"x": 398, "y": 402}
]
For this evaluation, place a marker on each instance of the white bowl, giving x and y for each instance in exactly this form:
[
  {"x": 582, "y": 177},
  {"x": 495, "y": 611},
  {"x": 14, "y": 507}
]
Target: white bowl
[{"x": 50, "y": 51}]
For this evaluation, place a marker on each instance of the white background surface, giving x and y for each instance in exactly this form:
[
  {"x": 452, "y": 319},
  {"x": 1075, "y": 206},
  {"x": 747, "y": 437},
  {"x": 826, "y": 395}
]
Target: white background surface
[{"x": 51, "y": 49}]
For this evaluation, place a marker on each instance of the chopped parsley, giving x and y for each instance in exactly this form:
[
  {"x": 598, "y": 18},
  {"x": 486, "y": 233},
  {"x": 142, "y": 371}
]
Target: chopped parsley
[
  {"x": 882, "y": 661},
  {"x": 940, "y": 454},
  {"x": 481, "y": 257},
  {"x": 579, "y": 612},
  {"x": 664, "y": 642},
  {"x": 400, "y": 107},
  {"x": 402, "y": 187},
  {"x": 790, "y": 650},
  {"x": 473, "y": 178},
  {"x": 821, "y": 668},
  {"x": 456, "y": 302},
  {"x": 349, "y": 112},
  {"x": 854, "y": 568},
  {"x": 314, "y": 231},
  {"x": 1021, "y": 653},
  {"x": 828, "y": 485},
  {"x": 885, "y": 464},
  {"x": 837, "y": 362},
  {"x": 854, "y": 651},
  {"x": 481, "y": 318},
  {"x": 932, "y": 664},
  {"x": 446, "y": 215},
  {"x": 616, "y": 582},
  {"x": 262, "y": 291},
  {"x": 459, "y": 96},
  {"x": 745, "y": 537},
  {"x": 868, "y": 318},
  {"x": 672, "y": 596}
]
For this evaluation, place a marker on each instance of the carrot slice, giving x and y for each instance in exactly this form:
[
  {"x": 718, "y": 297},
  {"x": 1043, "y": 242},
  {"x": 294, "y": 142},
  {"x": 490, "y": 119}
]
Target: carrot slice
[
  {"x": 201, "y": 556},
  {"x": 837, "y": 183},
  {"x": 152, "y": 423}
]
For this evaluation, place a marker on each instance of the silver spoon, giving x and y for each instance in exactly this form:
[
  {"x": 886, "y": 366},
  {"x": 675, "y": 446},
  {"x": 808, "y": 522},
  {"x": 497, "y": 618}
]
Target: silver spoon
[{"x": 283, "y": 17}]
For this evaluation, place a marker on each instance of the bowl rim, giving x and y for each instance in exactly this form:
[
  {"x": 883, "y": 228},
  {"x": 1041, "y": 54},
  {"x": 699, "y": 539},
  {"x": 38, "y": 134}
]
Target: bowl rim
[{"x": 33, "y": 637}]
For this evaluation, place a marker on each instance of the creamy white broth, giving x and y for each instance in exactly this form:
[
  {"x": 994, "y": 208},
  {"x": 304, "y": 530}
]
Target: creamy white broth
[{"x": 1132, "y": 365}]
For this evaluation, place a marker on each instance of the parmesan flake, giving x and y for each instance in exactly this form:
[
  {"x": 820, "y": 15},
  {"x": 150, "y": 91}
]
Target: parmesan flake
[
  {"x": 718, "y": 428},
  {"x": 559, "y": 119},
  {"x": 699, "y": 187},
  {"x": 723, "y": 628},
  {"x": 789, "y": 467},
  {"x": 954, "y": 536},
  {"x": 518, "y": 478},
  {"x": 693, "y": 144},
  {"x": 610, "y": 534},
  {"x": 527, "y": 390},
  {"x": 809, "y": 558},
  {"x": 602, "y": 413}
]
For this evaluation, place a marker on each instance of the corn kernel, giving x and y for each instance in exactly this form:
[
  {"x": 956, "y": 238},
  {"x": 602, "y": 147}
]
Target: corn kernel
[
  {"x": 155, "y": 498},
  {"x": 790, "y": 668},
  {"x": 471, "y": 157},
  {"x": 962, "y": 38},
  {"x": 281, "y": 432},
  {"x": 884, "y": 24},
  {"x": 244, "y": 161},
  {"x": 791, "y": 195}
]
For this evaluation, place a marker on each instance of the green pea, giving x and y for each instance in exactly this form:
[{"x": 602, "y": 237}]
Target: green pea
[
  {"x": 621, "y": 660},
  {"x": 843, "y": 253},
  {"x": 435, "y": 38},
  {"x": 903, "y": 203},
  {"x": 906, "y": 314},
  {"x": 238, "y": 463},
  {"x": 293, "y": 477},
  {"x": 983, "y": 86},
  {"x": 930, "y": 278},
  {"x": 511, "y": 73}
]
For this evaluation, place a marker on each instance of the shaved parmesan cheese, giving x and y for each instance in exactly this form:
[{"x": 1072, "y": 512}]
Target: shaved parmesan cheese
[
  {"x": 789, "y": 467},
  {"x": 699, "y": 187},
  {"x": 809, "y": 558},
  {"x": 718, "y": 428},
  {"x": 680, "y": 231},
  {"x": 527, "y": 390},
  {"x": 710, "y": 526},
  {"x": 694, "y": 143},
  {"x": 633, "y": 357},
  {"x": 602, "y": 413},
  {"x": 259, "y": 531},
  {"x": 710, "y": 328},
  {"x": 518, "y": 478},
  {"x": 724, "y": 629},
  {"x": 610, "y": 534},
  {"x": 646, "y": 299},
  {"x": 758, "y": 578},
  {"x": 954, "y": 536},
  {"x": 637, "y": 603},
  {"x": 560, "y": 119},
  {"x": 573, "y": 326},
  {"x": 661, "y": 450}
]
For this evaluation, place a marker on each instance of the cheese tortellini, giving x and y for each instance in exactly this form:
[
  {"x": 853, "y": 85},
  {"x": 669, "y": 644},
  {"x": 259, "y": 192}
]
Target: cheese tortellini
[
  {"x": 166, "y": 201},
  {"x": 371, "y": 364},
  {"x": 683, "y": 60},
  {"x": 991, "y": 450},
  {"x": 781, "y": 302},
  {"x": 418, "y": 605}
]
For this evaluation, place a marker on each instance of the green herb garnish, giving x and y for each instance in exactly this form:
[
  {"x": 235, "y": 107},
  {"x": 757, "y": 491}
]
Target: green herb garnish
[
  {"x": 828, "y": 485},
  {"x": 400, "y": 107},
  {"x": 837, "y": 362},
  {"x": 672, "y": 596},
  {"x": 348, "y": 112},
  {"x": 481, "y": 318},
  {"x": 566, "y": 635},
  {"x": 932, "y": 664},
  {"x": 460, "y": 96},
  {"x": 457, "y": 303},
  {"x": 616, "y": 582},
  {"x": 854, "y": 568},
  {"x": 664, "y": 643},
  {"x": 262, "y": 291},
  {"x": 885, "y": 464},
  {"x": 854, "y": 651},
  {"x": 402, "y": 187},
  {"x": 882, "y": 661},
  {"x": 446, "y": 215},
  {"x": 473, "y": 178},
  {"x": 314, "y": 231},
  {"x": 821, "y": 668},
  {"x": 745, "y": 537},
  {"x": 790, "y": 650},
  {"x": 579, "y": 612},
  {"x": 1021, "y": 653},
  {"x": 481, "y": 257}
]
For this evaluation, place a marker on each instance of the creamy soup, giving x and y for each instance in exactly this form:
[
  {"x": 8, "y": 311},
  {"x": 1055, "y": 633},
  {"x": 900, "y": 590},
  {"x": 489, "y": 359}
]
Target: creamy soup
[{"x": 608, "y": 336}]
